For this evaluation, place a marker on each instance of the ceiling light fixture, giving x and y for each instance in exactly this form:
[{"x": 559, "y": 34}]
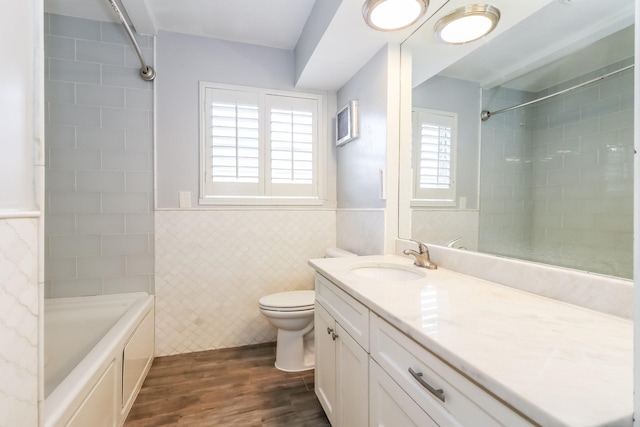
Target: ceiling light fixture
[
  {"x": 390, "y": 15},
  {"x": 467, "y": 23}
]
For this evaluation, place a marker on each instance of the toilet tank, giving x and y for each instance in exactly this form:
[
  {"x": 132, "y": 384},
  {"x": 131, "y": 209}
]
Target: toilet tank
[{"x": 337, "y": 253}]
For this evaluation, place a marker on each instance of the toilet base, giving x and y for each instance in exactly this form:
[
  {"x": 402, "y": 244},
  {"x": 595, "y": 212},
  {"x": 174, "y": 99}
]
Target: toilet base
[{"x": 294, "y": 351}]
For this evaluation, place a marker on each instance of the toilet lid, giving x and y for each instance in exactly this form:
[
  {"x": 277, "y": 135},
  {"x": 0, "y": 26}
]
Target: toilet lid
[{"x": 289, "y": 301}]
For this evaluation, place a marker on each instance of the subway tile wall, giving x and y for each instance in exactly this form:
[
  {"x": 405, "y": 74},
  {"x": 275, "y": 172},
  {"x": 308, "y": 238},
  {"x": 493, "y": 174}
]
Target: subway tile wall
[
  {"x": 99, "y": 223},
  {"x": 440, "y": 226},
  {"x": 576, "y": 155},
  {"x": 506, "y": 173}
]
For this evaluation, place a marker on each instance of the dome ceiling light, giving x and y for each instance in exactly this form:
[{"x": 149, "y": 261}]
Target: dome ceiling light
[
  {"x": 467, "y": 23},
  {"x": 391, "y": 15}
]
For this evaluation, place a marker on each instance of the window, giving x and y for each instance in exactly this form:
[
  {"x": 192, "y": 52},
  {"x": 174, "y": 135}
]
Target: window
[
  {"x": 433, "y": 157},
  {"x": 259, "y": 146}
]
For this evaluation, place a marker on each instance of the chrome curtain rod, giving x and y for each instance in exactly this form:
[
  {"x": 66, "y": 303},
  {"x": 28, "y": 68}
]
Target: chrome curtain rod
[
  {"x": 146, "y": 72},
  {"x": 485, "y": 115}
]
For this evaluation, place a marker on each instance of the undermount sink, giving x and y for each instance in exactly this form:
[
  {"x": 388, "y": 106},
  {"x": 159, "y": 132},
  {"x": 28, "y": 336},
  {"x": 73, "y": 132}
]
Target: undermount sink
[{"x": 385, "y": 271}]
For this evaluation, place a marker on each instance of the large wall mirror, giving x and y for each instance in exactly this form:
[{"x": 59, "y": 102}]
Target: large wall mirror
[{"x": 548, "y": 176}]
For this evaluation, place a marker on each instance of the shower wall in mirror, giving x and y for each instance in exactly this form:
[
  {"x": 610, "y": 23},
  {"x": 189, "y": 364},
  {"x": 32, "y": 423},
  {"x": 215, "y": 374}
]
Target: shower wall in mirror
[
  {"x": 550, "y": 182},
  {"x": 557, "y": 176}
]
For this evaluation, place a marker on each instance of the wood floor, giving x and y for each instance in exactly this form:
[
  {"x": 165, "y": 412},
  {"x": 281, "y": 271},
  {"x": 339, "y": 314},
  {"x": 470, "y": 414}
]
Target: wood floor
[{"x": 237, "y": 387}]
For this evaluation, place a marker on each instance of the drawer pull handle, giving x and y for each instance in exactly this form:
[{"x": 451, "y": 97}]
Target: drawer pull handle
[
  {"x": 334, "y": 336},
  {"x": 329, "y": 330},
  {"x": 439, "y": 393}
]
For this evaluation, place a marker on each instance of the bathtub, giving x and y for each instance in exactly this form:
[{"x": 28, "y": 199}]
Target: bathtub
[{"x": 97, "y": 352}]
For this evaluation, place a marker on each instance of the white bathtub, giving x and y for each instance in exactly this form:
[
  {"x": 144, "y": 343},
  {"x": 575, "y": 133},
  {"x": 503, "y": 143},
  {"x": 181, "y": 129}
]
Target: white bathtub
[{"x": 98, "y": 351}]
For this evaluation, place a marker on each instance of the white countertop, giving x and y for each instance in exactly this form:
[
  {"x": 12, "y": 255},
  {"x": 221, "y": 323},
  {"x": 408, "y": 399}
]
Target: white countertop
[{"x": 558, "y": 364}]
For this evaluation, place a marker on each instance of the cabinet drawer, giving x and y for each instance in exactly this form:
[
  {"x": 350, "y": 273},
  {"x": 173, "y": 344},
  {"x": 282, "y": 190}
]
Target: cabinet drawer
[
  {"x": 463, "y": 404},
  {"x": 352, "y": 315},
  {"x": 390, "y": 406}
]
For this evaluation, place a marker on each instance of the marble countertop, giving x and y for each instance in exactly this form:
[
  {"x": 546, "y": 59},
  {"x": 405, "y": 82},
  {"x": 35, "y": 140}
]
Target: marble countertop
[{"x": 557, "y": 363}]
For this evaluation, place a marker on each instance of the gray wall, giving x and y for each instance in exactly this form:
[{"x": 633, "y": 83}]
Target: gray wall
[
  {"x": 185, "y": 61},
  {"x": 99, "y": 171},
  {"x": 361, "y": 216},
  {"x": 462, "y": 97}
]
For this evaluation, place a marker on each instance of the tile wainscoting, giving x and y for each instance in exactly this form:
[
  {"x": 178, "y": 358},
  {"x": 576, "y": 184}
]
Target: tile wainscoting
[
  {"x": 19, "y": 321},
  {"x": 213, "y": 266},
  {"x": 361, "y": 231}
]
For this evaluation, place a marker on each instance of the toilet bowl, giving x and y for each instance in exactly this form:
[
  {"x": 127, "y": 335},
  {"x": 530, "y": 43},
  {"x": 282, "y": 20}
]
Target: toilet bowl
[{"x": 292, "y": 313}]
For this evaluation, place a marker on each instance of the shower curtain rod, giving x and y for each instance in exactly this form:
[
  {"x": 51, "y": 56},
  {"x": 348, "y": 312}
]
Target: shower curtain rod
[
  {"x": 486, "y": 114},
  {"x": 146, "y": 72}
]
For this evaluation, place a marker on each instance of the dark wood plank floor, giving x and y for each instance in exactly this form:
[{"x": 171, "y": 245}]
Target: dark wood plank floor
[{"x": 237, "y": 387}]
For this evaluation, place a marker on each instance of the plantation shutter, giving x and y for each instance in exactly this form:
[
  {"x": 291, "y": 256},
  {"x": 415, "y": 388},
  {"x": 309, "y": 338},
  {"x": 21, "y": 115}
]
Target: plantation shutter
[
  {"x": 233, "y": 148},
  {"x": 434, "y": 155},
  {"x": 292, "y": 137}
]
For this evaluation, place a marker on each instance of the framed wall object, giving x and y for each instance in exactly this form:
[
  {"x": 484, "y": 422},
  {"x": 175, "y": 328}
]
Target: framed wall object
[{"x": 347, "y": 123}]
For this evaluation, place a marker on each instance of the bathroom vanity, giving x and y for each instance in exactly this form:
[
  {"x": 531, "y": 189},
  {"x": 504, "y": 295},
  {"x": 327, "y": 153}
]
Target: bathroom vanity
[{"x": 401, "y": 345}]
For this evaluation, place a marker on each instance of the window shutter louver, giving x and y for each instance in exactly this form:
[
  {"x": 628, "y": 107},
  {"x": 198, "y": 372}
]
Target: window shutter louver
[
  {"x": 434, "y": 134},
  {"x": 234, "y": 143},
  {"x": 259, "y": 147}
]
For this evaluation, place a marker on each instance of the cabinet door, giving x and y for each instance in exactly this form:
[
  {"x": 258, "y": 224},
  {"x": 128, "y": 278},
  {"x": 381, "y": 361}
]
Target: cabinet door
[
  {"x": 390, "y": 406},
  {"x": 352, "y": 379},
  {"x": 325, "y": 373}
]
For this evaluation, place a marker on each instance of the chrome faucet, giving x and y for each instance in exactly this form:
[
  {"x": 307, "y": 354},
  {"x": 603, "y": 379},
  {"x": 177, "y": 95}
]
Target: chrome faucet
[
  {"x": 422, "y": 257},
  {"x": 452, "y": 244}
]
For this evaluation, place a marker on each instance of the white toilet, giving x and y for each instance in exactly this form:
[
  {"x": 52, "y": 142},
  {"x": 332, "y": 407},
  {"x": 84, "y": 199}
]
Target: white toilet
[{"x": 292, "y": 313}]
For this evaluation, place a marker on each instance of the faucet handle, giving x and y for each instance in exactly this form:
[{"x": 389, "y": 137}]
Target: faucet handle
[
  {"x": 452, "y": 242},
  {"x": 422, "y": 248}
]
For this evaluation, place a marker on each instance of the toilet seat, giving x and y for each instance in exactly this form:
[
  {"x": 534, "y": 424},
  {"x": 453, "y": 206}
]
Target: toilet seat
[{"x": 288, "y": 301}]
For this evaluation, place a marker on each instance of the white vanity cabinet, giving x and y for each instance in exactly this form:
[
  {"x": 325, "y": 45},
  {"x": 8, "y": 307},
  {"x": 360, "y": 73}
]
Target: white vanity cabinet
[
  {"x": 390, "y": 406},
  {"x": 448, "y": 397},
  {"x": 342, "y": 358},
  {"x": 368, "y": 373}
]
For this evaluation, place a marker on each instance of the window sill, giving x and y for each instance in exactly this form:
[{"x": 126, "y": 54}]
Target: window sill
[
  {"x": 261, "y": 201},
  {"x": 445, "y": 203}
]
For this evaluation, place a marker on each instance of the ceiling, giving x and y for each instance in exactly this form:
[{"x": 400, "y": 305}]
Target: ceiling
[
  {"x": 325, "y": 34},
  {"x": 562, "y": 40},
  {"x": 272, "y": 23}
]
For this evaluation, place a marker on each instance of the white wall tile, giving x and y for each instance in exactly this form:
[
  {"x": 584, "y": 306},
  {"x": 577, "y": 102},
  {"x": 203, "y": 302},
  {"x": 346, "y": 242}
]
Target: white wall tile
[
  {"x": 361, "y": 231},
  {"x": 19, "y": 322},
  {"x": 212, "y": 267}
]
